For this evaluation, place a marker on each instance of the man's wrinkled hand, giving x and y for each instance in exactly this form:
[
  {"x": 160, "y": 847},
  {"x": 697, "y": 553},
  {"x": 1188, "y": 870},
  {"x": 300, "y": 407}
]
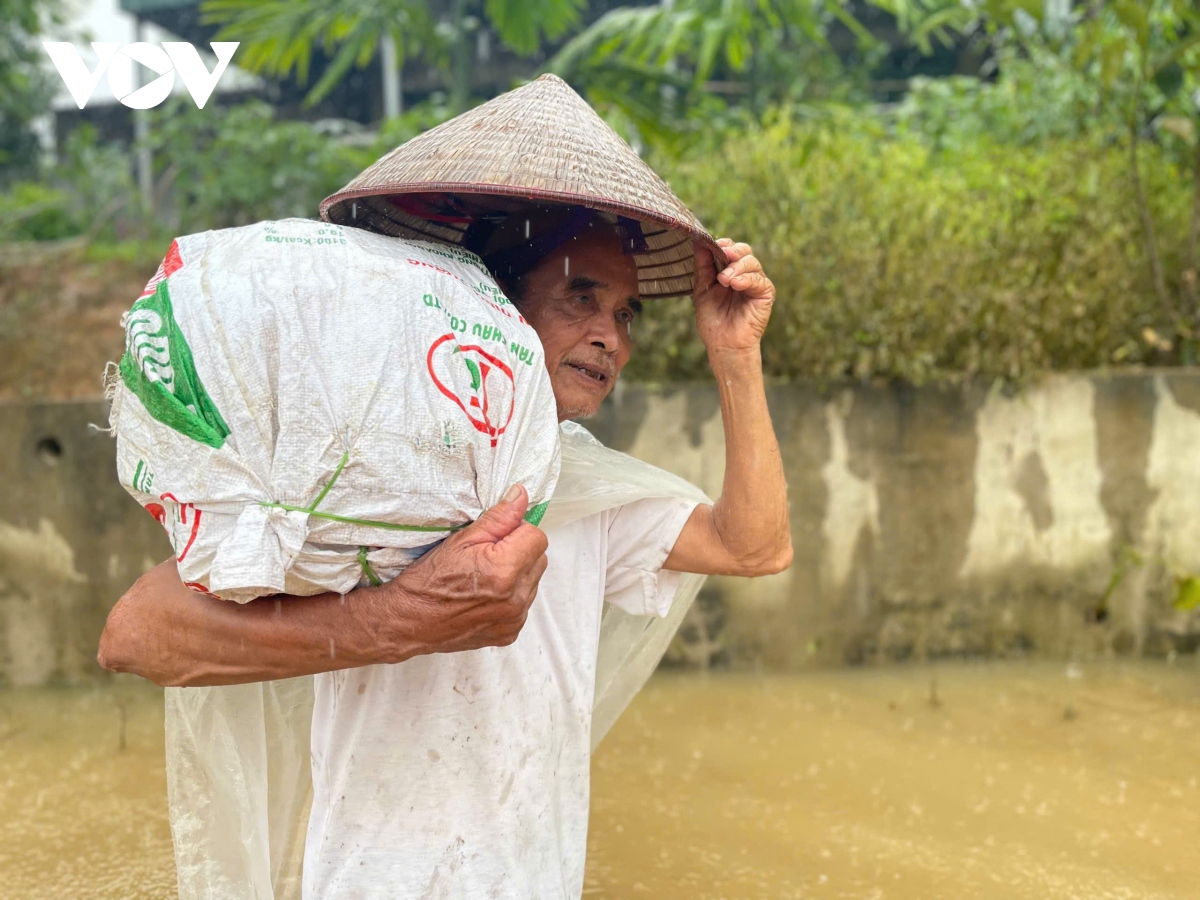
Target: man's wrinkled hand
[
  {"x": 475, "y": 589},
  {"x": 734, "y": 304}
]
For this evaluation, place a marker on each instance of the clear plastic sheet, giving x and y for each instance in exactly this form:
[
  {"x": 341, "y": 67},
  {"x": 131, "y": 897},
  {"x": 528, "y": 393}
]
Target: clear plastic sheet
[{"x": 238, "y": 768}]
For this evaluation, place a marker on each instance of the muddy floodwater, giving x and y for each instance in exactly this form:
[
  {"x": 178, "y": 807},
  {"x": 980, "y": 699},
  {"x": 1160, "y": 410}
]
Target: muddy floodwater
[{"x": 949, "y": 781}]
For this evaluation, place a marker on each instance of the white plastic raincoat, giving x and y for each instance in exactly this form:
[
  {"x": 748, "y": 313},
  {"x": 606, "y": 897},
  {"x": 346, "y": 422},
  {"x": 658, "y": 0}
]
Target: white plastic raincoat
[{"x": 238, "y": 767}]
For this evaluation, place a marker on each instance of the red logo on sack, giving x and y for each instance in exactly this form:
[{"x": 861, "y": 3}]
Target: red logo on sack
[
  {"x": 488, "y": 401},
  {"x": 171, "y": 264},
  {"x": 160, "y": 513}
]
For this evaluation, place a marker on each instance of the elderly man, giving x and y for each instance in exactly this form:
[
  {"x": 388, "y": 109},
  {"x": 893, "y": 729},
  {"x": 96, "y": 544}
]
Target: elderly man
[{"x": 450, "y": 735}]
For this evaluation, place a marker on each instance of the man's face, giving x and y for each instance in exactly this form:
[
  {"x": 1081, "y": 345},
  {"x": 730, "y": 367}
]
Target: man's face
[{"x": 581, "y": 300}]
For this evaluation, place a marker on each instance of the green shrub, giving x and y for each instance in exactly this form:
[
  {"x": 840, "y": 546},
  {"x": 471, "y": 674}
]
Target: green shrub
[
  {"x": 89, "y": 191},
  {"x": 36, "y": 212},
  {"x": 895, "y": 260},
  {"x": 228, "y": 166},
  {"x": 214, "y": 168},
  {"x": 1035, "y": 99}
]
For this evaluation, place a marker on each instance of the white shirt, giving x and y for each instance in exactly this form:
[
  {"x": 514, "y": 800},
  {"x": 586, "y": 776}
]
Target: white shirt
[{"x": 465, "y": 775}]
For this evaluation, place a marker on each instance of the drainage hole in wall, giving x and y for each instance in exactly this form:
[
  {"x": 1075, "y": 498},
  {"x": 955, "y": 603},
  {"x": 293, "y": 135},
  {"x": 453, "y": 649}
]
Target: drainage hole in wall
[{"x": 49, "y": 450}]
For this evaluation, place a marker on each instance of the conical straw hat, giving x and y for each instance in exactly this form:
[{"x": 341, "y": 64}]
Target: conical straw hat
[{"x": 541, "y": 143}]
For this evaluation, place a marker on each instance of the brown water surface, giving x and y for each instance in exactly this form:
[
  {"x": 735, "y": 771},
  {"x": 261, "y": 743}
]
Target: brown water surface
[
  {"x": 1006, "y": 781},
  {"x": 80, "y": 816}
]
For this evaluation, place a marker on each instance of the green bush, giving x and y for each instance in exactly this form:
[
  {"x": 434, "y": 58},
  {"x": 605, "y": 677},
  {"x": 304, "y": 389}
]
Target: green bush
[
  {"x": 214, "y": 168},
  {"x": 228, "y": 166},
  {"x": 896, "y": 260},
  {"x": 90, "y": 191},
  {"x": 36, "y": 212}
]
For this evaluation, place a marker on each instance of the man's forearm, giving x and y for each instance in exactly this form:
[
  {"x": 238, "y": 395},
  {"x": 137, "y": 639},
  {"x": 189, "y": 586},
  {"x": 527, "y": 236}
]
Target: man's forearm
[
  {"x": 163, "y": 631},
  {"x": 751, "y": 515},
  {"x": 473, "y": 590}
]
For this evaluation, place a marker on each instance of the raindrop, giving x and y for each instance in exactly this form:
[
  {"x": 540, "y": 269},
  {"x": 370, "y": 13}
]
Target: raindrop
[
  {"x": 332, "y": 655},
  {"x": 123, "y": 718},
  {"x": 566, "y": 265},
  {"x": 526, "y": 229},
  {"x": 354, "y": 210},
  {"x": 278, "y": 608}
]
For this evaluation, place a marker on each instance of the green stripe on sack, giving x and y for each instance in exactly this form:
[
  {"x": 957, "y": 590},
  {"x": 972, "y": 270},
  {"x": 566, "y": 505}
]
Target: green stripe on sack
[
  {"x": 159, "y": 368},
  {"x": 534, "y": 516}
]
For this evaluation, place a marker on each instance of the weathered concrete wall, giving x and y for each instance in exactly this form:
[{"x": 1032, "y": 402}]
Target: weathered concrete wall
[
  {"x": 71, "y": 540},
  {"x": 927, "y": 522},
  {"x": 934, "y": 522}
]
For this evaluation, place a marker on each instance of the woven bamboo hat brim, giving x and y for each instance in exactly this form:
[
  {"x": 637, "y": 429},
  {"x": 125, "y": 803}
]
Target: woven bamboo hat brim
[{"x": 541, "y": 143}]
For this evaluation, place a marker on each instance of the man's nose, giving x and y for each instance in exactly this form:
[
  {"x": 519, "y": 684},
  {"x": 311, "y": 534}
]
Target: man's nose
[{"x": 604, "y": 335}]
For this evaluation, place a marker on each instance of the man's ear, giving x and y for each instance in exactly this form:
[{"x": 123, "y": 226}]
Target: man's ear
[{"x": 514, "y": 290}]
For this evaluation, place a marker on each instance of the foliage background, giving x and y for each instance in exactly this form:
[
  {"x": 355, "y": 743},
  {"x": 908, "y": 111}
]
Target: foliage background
[
  {"x": 1035, "y": 215},
  {"x": 894, "y": 258}
]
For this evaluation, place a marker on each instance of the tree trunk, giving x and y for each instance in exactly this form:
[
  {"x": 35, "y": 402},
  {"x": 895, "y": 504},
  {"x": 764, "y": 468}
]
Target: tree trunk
[
  {"x": 1156, "y": 272},
  {"x": 460, "y": 65},
  {"x": 1192, "y": 308},
  {"x": 393, "y": 97}
]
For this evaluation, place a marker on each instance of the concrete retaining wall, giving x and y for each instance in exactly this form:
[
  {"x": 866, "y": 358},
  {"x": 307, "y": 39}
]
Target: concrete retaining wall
[
  {"x": 927, "y": 522},
  {"x": 71, "y": 540}
]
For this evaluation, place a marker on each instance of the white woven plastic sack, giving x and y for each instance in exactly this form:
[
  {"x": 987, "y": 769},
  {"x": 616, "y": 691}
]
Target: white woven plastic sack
[{"x": 307, "y": 407}]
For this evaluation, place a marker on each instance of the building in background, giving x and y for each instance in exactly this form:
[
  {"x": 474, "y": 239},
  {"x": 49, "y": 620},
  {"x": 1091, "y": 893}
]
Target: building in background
[{"x": 108, "y": 20}]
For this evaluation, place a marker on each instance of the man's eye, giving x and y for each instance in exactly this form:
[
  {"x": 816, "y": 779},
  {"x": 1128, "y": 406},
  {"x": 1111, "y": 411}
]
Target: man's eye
[{"x": 625, "y": 317}]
